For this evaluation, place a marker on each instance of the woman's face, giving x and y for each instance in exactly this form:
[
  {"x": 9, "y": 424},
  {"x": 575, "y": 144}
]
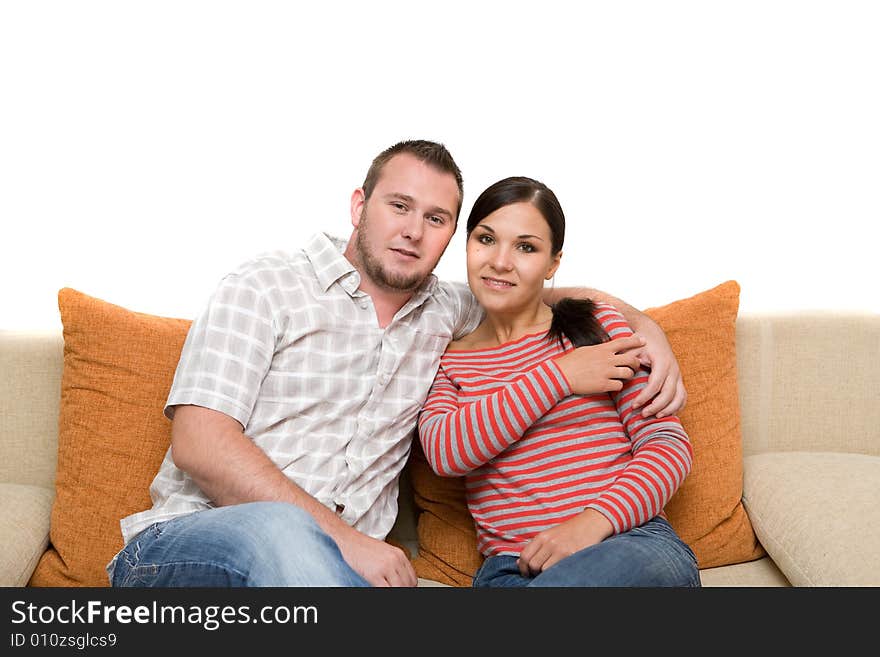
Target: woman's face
[{"x": 509, "y": 258}]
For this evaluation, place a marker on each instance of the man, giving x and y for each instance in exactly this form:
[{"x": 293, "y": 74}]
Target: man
[{"x": 297, "y": 391}]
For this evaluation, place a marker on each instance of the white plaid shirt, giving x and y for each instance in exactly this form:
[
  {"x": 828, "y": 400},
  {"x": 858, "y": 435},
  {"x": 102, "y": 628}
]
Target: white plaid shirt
[{"x": 292, "y": 349}]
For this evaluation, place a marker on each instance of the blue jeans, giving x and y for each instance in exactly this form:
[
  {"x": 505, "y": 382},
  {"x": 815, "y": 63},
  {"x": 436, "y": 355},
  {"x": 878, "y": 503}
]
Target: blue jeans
[
  {"x": 255, "y": 544},
  {"x": 649, "y": 555}
]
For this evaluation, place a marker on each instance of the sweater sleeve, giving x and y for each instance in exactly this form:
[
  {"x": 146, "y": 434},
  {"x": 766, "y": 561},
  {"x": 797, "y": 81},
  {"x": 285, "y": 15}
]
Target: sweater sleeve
[
  {"x": 459, "y": 437},
  {"x": 662, "y": 453}
]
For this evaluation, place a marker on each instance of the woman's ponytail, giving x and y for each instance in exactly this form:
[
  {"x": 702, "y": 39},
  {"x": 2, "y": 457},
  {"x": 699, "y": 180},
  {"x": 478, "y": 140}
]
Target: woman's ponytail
[{"x": 574, "y": 319}]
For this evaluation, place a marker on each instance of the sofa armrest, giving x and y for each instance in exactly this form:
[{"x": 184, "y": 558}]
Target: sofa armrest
[
  {"x": 25, "y": 512},
  {"x": 816, "y": 514}
]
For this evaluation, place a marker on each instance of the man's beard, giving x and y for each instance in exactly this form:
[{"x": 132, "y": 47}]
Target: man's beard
[{"x": 374, "y": 269}]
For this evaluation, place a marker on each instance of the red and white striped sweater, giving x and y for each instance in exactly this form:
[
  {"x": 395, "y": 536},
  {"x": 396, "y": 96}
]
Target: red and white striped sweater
[{"x": 534, "y": 454}]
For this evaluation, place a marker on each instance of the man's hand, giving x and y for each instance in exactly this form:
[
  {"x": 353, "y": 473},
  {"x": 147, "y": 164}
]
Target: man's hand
[
  {"x": 553, "y": 545},
  {"x": 602, "y": 367},
  {"x": 665, "y": 393},
  {"x": 380, "y": 563}
]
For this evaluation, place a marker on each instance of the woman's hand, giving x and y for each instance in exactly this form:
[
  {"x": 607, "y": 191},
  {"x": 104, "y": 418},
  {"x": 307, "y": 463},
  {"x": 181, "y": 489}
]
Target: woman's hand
[
  {"x": 665, "y": 393},
  {"x": 601, "y": 367},
  {"x": 552, "y": 545}
]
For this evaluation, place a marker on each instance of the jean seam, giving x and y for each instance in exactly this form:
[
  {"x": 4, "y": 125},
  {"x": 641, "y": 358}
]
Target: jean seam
[{"x": 135, "y": 572}]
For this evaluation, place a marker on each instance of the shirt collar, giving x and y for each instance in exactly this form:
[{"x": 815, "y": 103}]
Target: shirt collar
[{"x": 326, "y": 255}]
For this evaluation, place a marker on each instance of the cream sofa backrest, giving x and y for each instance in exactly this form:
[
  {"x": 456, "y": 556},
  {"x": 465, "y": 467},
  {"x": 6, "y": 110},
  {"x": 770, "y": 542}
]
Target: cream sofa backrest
[
  {"x": 809, "y": 381},
  {"x": 30, "y": 394}
]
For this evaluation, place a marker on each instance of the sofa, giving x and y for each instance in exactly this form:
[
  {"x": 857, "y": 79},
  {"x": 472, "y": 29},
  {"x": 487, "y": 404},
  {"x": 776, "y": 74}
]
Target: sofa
[{"x": 809, "y": 461}]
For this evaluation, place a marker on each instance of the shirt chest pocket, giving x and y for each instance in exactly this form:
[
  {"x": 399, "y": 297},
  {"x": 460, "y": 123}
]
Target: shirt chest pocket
[{"x": 418, "y": 365}]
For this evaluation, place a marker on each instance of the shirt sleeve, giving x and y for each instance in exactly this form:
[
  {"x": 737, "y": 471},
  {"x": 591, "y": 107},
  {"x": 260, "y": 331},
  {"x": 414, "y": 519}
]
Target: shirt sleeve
[
  {"x": 662, "y": 452},
  {"x": 227, "y": 352},
  {"x": 459, "y": 437},
  {"x": 468, "y": 311}
]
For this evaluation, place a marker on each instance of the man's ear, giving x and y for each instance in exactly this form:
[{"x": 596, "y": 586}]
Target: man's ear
[
  {"x": 358, "y": 201},
  {"x": 554, "y": 266}
]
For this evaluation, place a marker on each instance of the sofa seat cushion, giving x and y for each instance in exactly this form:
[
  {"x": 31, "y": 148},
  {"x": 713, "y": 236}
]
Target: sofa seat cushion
[
  {"x": 761, "y": 572},
  {"x": 816, "y": 514},
  {"x": 25, "y": 512}
]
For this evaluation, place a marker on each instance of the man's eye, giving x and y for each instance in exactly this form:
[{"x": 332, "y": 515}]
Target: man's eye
[
  {"x": 436, "y": 220},
  {"x": 399, "y": 206}
]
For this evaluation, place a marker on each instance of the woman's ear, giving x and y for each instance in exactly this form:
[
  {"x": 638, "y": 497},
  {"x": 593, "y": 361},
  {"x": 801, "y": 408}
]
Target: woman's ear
[
  {"x": 357, "y": 206},
  {"x": 553, "y": 266}
]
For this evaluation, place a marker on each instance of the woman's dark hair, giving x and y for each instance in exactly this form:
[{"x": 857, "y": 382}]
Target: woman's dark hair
[
  {"x": 519, "y": 189},
  {"x": 573, "y": 318}
]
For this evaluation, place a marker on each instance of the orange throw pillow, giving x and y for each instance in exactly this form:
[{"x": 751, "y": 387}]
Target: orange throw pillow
[
  {"x": 447, "y": 539},
  {"x": 112, "y": 435},
  {"x": 706, "y": 511}
]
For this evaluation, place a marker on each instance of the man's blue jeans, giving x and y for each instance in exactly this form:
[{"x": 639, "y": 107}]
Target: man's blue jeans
[
  {"x": 255, "y": 544},
  {"x": 649, "y": 555}
]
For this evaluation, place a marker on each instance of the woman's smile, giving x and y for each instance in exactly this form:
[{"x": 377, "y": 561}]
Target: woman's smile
[{"x": 497, "y": 283}]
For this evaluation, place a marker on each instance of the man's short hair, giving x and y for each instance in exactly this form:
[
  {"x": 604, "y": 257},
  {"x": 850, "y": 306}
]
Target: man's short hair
[{"x": 428, "y": 152}]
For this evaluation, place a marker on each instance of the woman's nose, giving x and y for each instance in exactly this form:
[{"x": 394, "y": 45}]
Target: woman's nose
[{"x": 502, "y": 261}]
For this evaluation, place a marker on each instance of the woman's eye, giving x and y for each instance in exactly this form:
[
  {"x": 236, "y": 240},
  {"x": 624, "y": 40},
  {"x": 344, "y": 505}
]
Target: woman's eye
[
  {"x": 528, "y": 248},
  {"x": 484, "y": 239}
]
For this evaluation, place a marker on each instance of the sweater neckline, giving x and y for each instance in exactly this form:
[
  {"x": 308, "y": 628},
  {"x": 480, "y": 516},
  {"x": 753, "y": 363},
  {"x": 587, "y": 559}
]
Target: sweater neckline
[{"x": 509, "y": 343}]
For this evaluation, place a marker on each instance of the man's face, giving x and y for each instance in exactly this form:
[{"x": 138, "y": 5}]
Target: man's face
[{"x": 403, "y": 229}]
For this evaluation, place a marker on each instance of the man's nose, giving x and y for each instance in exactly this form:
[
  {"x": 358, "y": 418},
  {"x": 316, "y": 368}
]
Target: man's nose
[{"x": 412, "y": 227}]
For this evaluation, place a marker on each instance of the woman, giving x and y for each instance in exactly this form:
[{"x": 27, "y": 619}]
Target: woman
[{"x": 566, "y": 482}]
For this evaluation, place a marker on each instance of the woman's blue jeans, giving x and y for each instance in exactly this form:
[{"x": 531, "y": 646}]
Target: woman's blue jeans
[
  {"x": 651, "y": 555},
  {"x": 255, "y": 544}
]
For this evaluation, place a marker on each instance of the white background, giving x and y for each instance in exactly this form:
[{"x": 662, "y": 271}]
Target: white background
[{"x": 148, "y": 148}]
